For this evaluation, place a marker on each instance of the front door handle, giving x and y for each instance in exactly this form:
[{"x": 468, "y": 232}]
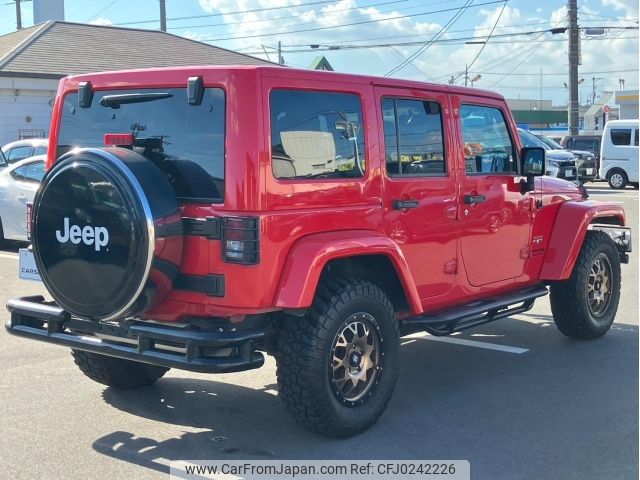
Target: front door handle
[
  {"x": 473, "y": 199},
  {"x": 403, "y": 204}
]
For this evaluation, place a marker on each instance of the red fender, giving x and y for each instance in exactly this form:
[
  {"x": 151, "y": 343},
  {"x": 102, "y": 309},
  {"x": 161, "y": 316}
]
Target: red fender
[
  {"x": 568, "y": 233},
  {"x": 310, "y": 254}
]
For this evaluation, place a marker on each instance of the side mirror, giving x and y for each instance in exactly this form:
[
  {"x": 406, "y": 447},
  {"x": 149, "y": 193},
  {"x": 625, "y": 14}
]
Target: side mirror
[{"x": 533, "y": 162}]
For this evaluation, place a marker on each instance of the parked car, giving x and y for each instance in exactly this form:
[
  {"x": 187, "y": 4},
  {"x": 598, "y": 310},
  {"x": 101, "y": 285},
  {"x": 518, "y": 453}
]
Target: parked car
[
  {"x": 560, "y": 163},
  {"x": 587, "y": 143},
  {"x": 619, "y": 153},
  {"x": 21, "y": 149},
  {"x": 585, "y": 161},
  {"x": 184, "y": 223},
  {"x": 18, "y": 184}
]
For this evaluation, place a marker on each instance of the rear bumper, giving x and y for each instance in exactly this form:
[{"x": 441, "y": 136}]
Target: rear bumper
[{"x": 202, "y": 351}]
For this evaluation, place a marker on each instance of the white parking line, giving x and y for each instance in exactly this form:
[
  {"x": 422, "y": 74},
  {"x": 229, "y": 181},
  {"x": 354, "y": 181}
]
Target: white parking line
[
  {"x": 473, "y": 343},
  {"x": 9, "y": 255}
]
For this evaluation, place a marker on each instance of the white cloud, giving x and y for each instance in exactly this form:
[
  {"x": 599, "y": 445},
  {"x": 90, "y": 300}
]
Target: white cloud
[
  {"x": 101, "y": 21},
  {"x": 501, "y": 54}
]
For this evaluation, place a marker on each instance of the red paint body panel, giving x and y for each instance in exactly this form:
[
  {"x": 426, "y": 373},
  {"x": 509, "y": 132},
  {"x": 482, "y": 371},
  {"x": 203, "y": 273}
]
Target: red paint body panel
[
  {"x": 569, "y": 230},
  {"x": 441, "y": 258},
  {"x": 310, "y": 254}
]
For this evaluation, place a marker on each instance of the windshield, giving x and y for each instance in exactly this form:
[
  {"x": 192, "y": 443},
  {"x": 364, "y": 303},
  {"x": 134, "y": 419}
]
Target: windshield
[
  {"x": 530, "y": 140},
  {"x": 3, "y": 161},
  {"x": 185, "y": 141},
  {"x": 552, "y": 143}
]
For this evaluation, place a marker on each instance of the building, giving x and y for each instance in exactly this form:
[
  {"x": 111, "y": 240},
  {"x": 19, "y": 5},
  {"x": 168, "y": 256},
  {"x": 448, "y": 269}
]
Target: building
[
  {"x": 539, "y": 115},
  {"x": 34, "y": 59},
  {"x": 627, "y": 101}
]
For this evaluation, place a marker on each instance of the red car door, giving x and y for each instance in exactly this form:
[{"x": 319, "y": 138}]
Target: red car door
[
  {"x": 420, "y": 184},
  {"x": 495, "y": 216}
]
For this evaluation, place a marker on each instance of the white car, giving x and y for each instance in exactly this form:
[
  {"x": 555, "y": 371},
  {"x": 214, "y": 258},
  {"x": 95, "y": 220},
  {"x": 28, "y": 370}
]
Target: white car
[
  {"x": 619, "y": 153},
  {"x": 21, "y": 149},
  {"x": 18, "y": 184}
]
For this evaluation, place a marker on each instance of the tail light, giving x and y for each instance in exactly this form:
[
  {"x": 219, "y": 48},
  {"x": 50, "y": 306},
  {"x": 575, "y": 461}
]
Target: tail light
[
  {"x": 118, "y": 139},
  {"x": 240, "y": 240},
  {"x": 29, "y": 218}
]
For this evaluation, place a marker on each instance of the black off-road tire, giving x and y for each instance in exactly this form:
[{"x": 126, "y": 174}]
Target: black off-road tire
[
  {"x": 306, "y": 375},
  {"x": 570, "y": 302},
  {"x": 116, "y": 372}
]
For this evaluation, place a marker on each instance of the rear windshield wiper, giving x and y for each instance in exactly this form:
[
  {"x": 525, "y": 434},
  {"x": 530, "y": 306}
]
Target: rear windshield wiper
[{"x": 114, "y": 101}]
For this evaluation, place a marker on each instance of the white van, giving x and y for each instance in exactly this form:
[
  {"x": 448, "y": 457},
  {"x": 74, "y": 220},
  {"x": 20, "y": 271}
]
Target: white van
[{"x": 619, "y": 153}]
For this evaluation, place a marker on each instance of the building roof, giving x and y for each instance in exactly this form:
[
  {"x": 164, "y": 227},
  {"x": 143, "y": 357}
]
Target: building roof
[
  {"x": 56, "y": 49},
  {"x": 321, "y": 63}
]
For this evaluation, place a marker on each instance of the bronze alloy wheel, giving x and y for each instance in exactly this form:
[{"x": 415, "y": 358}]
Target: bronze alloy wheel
[
  {"x": 355, "y": 359},
  {"x": 599, "y": 285}
]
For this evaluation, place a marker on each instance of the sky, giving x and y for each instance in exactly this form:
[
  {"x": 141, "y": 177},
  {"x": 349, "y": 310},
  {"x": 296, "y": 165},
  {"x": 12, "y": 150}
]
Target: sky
[{"x": 416, "y": 39}]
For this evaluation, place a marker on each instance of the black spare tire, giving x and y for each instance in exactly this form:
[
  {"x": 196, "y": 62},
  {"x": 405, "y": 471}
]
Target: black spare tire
[{"x": 107, "y": 233}]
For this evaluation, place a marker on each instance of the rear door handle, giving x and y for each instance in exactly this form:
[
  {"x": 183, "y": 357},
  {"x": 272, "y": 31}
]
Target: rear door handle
[
  {"x": 473, "y": 199},
  {"x": 403, "y": 204}
]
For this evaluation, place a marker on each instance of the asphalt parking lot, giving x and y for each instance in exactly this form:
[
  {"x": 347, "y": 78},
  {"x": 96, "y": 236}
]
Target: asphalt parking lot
[{"x": 515, "y": 398}]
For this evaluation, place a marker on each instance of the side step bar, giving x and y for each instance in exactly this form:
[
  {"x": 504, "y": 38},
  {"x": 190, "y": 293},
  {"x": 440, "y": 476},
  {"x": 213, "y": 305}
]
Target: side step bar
[{"x": 450, "y": 320}]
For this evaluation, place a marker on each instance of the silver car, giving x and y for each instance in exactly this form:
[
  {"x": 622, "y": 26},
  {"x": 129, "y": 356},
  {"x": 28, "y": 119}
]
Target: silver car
[
  {"x": 21, "y": 149},
  {"x": 18, "y": 184}
]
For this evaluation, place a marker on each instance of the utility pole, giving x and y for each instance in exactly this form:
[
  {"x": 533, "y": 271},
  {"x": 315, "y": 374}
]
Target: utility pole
[
  {"x": 621, "y": 82},
  {"x": 18, "y": 15},
  {"x": 466, "y": 74},
  {"x": 574, "y": 60},
  {"x": 163, "y": 15},
  {"x": 593, "y": 90},
  {"x": 280, "y": 59}
]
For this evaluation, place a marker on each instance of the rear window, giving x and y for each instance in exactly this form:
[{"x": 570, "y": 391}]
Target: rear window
[
  {"x": 185, "y": 141},
  {"x": 584, "y": 144},
  {"x": 621, "y": 136}
]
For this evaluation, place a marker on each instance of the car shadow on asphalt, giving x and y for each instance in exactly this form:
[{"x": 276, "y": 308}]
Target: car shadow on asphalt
[{"x": 454, "y": 393}]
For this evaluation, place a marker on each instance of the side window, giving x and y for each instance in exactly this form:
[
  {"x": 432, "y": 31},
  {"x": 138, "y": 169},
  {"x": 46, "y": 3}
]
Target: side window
[
  {"x": 40, "y": 151},
  {"x": 35, "y": 171},
  {"x": 19, "y": 153},
  {"x": 621, "y": 136},
  {"x": 413, "y": 137},
  {"x": 316, "y": 135},
  {"x": 20, "y": 173},
  {"x": 487, "y": 144},
  {"x": 635, "y": 138}
]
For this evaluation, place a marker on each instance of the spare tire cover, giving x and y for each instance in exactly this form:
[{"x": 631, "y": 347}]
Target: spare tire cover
[{"x": 107, "y": 233}]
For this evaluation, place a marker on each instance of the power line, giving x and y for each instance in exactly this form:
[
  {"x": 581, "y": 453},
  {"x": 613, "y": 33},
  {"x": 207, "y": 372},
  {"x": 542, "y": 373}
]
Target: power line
[
  {"x": 531, "y": 52},
  {"x": 206, "y": 25},
  {"x": 504, "y": 5},
  {"x": 205, "y": 15},
  {"x": 609, "y": 18},
  {"x": 437, "y": 36},
  {"x": 346, "y": 24},
  {"x": 109, "y": 5},
  {"x": 447, "y": 41}
]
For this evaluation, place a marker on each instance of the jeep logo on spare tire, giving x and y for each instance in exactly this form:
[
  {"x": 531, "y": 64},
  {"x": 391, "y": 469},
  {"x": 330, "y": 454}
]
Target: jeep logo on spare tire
[
  {"x": 107, "y": 233},
  {"x": 98, "y": 236}
]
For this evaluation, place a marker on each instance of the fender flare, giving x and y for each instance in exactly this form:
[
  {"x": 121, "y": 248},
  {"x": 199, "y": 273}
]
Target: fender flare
[
  {"x": 569, "y": 229},
  {"x": 309, "y": 255}
]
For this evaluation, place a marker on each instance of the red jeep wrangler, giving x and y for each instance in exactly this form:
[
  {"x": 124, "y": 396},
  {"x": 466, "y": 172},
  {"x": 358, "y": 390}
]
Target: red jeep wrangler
[{"x": 194, "y": 218}]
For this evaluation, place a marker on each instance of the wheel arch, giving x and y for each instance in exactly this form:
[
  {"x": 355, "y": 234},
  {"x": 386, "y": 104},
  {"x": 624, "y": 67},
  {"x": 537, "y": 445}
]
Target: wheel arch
[
  {"x": 360, "y": 253},
  {"x": 569, "y": 230}
]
